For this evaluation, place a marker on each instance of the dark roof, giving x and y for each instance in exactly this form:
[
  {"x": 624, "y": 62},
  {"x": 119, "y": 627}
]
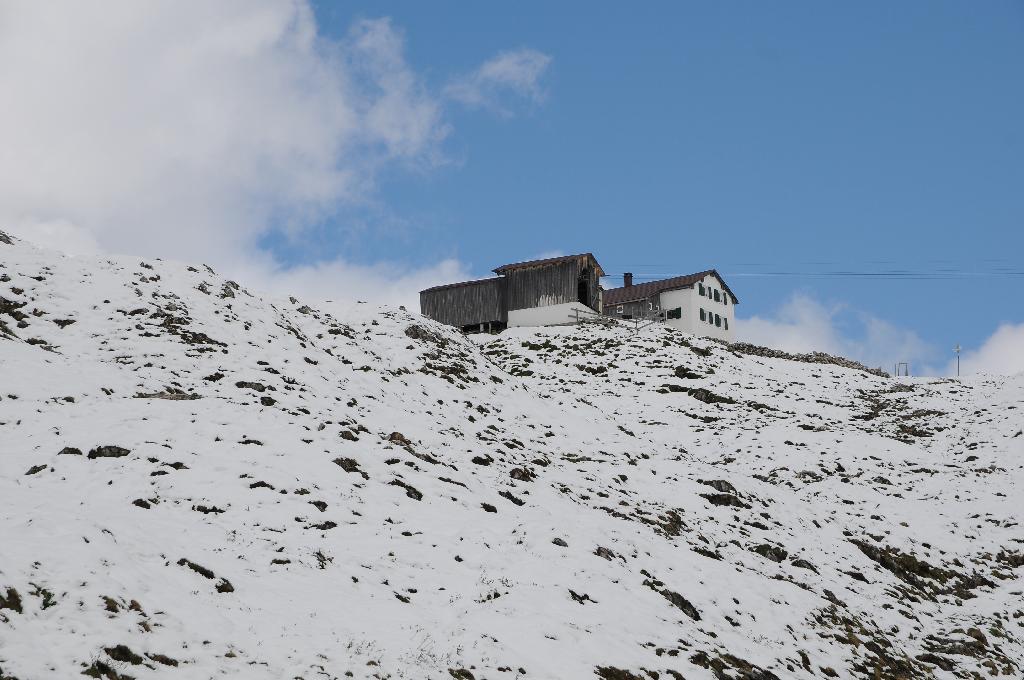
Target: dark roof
[
  {"x": 548, "y": 261},
  {"x": 642, "y": 291},
  {"x": 460, "y": 284}
]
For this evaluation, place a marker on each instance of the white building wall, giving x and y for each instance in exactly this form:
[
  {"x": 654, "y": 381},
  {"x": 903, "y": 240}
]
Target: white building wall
[
  {"x": 682, "y": 298},
  {"x": 691, "y": 302},
  {"x": 550, "y": 315},
  {"x": 725, "y": 309}
]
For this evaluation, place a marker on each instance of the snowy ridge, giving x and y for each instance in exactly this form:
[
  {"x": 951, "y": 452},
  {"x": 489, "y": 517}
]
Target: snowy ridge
[{"x": 198, "y": 482}]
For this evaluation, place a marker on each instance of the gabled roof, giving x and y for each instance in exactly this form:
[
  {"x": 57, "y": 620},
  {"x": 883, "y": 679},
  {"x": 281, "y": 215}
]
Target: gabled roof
[
  {"x": 642, "y": 291},
  {"x": 548, "y": 261}
]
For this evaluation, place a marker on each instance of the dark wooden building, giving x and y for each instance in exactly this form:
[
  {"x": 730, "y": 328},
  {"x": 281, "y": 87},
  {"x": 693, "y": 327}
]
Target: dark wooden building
[
  {"x": 547, "y": 292},
  {"x": 467, "y": 304}
]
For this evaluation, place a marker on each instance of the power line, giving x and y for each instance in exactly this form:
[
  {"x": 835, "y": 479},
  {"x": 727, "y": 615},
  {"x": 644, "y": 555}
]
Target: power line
[
  {"x": 901, "y": 261},
  {"x": 893, "y": 274}
]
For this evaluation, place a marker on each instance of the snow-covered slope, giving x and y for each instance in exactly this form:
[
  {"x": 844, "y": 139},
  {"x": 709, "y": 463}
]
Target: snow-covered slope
[{"x": 197, "y": 482}]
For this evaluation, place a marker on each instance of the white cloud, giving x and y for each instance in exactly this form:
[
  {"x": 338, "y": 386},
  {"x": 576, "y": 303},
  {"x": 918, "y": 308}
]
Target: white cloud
[
  {"x": 800, "y": 325},
  {"x": 395, "y": 107},
  {"x": 803, "y": 324},
  {"x": 388, "y": 283},
  {"x": 58, "y": 234},
  {"x": 163, "y": 126},
  {"x": 189, "y": 130},
  {"x": 516, "y": 73},
  {"x": 1002, "y": 353}
]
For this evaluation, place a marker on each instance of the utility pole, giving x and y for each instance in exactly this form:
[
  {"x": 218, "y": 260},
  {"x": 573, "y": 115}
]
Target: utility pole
[{"x": 957, "y": 350}]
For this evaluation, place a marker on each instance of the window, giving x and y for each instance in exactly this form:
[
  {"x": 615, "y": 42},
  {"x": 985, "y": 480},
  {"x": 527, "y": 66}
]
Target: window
[
  {"x": 618, "y": 309},
  {"x": 718, "y": 321},
  {"x": 718, "y": 298},
  {"x": 700, "y": 288},
  {"x": 701, "y": 313},
  {"x": 725, "y": 323}
]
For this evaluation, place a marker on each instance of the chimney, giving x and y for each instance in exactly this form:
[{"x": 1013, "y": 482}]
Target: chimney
[{"x": 627, "y": 279}]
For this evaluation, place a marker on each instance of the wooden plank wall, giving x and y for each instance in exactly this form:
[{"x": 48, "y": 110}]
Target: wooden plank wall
[
  {"x": 542, "y": 286},
  {"x": 467, "y": 304},
  {"x": 552, "y": 285}
]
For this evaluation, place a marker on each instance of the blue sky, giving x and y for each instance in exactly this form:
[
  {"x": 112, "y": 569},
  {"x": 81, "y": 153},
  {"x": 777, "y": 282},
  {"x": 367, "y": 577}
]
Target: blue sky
[
  {"x": 800, "y": 137},
  {"x": 854, "y": 170}
]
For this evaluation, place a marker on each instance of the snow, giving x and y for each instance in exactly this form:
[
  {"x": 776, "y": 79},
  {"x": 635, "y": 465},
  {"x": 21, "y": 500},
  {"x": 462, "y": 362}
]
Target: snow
[{"x": 430, "y": 551}]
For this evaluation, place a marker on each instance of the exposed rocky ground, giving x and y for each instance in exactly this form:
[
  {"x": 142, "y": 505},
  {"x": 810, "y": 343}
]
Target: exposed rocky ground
[{"x": 198, "y": 482}]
